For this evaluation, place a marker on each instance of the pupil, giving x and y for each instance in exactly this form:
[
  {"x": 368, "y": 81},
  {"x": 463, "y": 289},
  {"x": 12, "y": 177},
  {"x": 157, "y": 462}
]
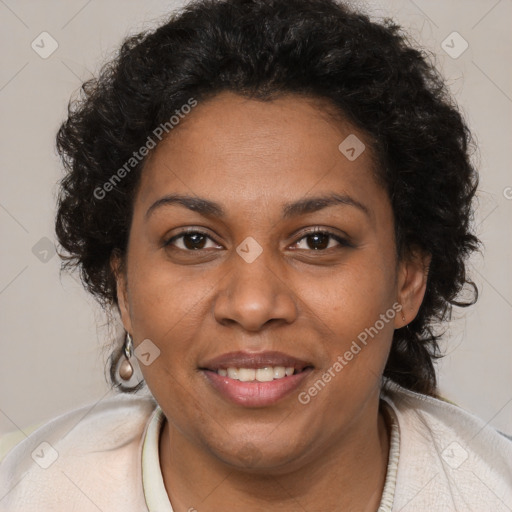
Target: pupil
[
  {"x": 194, "y": 244},
  {"x": 323, "y": 238}
]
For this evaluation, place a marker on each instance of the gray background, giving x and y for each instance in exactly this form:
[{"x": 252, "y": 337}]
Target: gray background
[{"x": 53, "y": 338}]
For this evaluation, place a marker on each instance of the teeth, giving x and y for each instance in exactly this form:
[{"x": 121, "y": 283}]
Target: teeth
[
  {"x": 266, "y": 374},
  {"x": 232, "y": 373},
  {"x": 279, "y": 372},
  {"x": 246, "y": 374}
]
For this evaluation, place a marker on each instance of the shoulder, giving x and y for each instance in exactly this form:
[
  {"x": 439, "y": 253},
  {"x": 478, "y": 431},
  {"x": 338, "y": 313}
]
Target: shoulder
[
  {"x": 90, "y": 456},
  {"x": 448, "y": 457}
]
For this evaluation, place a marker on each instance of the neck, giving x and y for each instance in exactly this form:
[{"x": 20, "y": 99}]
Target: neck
[{"x": 348, "y": 475}]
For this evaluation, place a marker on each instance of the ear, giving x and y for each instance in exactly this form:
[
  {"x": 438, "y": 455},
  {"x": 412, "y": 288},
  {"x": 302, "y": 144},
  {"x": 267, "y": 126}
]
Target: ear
[
  {"x": 117, "y": 266},
  {"x": 412, "y": 283}
]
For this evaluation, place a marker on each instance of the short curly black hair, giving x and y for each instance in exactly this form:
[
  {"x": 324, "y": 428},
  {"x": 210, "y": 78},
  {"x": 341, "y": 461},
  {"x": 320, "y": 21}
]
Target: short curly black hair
[{"x": 369, "y": 71}]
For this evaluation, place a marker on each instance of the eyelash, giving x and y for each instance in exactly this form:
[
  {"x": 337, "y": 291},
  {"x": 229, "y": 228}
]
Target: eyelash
[{"x": 342, "y": 241}]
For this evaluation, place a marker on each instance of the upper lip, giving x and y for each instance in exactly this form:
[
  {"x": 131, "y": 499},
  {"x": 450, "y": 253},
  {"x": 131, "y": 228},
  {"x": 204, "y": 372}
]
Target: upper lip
[{"x": 254, "y": 360}]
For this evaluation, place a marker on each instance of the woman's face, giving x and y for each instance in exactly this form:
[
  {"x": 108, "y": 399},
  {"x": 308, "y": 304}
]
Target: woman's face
[{"x": 254, "y": 287}]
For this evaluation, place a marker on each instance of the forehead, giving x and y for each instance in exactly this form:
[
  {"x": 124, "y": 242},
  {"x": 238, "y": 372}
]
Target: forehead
[{"x": 277, "y": 149}]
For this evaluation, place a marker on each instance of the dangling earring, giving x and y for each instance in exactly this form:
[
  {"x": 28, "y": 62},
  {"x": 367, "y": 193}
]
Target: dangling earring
[{"x": 126, "y": 368}]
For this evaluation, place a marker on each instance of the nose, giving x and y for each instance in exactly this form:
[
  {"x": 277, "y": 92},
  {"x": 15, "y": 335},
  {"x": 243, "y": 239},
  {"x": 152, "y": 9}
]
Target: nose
[{"x": 255, "y": 294}]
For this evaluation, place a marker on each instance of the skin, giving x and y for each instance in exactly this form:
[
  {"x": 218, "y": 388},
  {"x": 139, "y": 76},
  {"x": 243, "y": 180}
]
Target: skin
[{"x": 251, "y": 157}]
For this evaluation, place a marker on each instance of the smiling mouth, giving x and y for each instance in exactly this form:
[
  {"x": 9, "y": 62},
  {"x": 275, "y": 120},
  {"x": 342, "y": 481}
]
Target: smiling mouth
[
  {"x": 255, "y": 379},
  {"x": 264, "y": 386},
  {"x": 262, "y": 374}
]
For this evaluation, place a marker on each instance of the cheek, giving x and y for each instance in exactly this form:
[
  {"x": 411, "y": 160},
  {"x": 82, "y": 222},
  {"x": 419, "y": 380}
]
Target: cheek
[
  {"x": 161, "y": 295},
  {"x": 168, "y": 308},
  {"x": 353, "y": 296},
  {"x": 356, "y": 304}
]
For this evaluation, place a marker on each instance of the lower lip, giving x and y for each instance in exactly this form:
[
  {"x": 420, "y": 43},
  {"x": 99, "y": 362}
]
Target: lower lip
[{"x": 255, "y": 394}]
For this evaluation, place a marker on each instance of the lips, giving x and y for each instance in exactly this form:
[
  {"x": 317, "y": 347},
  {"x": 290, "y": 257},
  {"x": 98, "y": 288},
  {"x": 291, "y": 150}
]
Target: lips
[
  {"x": 223, "y": 375},
  {"x": 254, "y": 360}
]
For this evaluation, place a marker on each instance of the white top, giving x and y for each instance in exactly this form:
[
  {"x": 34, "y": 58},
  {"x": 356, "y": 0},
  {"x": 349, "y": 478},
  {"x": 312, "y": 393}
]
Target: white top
[
  {"x": 156, "y": 496},
  {"x": 105, "y": 457}
]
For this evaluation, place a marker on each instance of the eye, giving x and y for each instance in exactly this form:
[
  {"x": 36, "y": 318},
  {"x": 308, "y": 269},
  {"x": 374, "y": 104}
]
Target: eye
[
  {"x": 190, "y": 240},
  {"x": 318, "y": 240}
]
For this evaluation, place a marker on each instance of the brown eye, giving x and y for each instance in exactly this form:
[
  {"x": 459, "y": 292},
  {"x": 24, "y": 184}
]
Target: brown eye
[
  {"x": 318, "y": 241},
  {"x": 321, "y": 240},
  {"x": 194, "y": 241},
  {"x": 189, "y": 241}
]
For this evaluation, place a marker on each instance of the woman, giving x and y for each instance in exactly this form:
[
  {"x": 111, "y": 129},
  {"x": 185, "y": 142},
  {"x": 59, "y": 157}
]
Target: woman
[{"x": 276, "y": 197}]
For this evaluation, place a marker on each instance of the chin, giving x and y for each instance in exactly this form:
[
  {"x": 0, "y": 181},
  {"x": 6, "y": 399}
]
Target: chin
[{"x": 258, "y": 455}]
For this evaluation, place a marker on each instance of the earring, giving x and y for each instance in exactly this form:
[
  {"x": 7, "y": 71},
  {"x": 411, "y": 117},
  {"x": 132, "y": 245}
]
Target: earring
[
  {"x": 402, "y": 311},
  {"x": 126, "y": 368}
]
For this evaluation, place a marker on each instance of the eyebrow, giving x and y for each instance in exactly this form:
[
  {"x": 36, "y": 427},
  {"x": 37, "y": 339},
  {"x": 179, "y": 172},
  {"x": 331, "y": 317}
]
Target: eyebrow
[{"x": 210, "y": 208}]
